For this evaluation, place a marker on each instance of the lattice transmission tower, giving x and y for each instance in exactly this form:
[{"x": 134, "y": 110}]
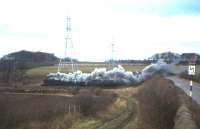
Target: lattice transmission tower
[
  {"x": 69, "y": 52},
  {"x": 112, "y": 62}
]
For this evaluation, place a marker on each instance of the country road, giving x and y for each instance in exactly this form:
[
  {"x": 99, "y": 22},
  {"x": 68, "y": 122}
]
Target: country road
[{"x": 184, "y": 84}]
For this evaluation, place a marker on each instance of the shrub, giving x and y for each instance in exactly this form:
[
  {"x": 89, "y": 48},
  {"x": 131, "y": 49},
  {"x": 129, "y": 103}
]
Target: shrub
[
  {"x": 86, "y": 105},
  {"x": 90, "y": 103}
]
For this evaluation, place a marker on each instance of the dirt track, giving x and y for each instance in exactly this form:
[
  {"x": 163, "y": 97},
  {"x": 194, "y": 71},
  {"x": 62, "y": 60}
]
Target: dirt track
[{"x": 122, "y": 120}]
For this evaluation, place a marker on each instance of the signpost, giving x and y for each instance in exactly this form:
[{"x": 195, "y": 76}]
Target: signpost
[{"x": 191, "y": 72}]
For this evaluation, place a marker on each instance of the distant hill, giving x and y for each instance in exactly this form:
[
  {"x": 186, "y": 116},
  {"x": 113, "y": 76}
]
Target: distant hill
[
  {"x": 171, "y": 57},
  {"x": 29, "y": 59}
]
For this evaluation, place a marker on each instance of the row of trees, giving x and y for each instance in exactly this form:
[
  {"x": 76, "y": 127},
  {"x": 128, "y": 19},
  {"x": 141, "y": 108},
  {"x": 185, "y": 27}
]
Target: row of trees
[
  {"x": 13, "y": 66},
  {"x": 11, "y": 71},
  {"x": 132, "y": 61}
]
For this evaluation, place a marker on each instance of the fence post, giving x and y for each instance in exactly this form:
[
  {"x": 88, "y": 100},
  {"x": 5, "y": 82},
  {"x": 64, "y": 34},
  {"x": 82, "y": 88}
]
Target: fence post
[
  {"x": 69, "y": 109},
  {"x": 74, "y": 108}
]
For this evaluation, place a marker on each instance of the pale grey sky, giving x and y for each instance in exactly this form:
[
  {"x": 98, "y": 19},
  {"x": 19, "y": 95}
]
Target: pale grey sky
[{"x": 139, "y": 28}]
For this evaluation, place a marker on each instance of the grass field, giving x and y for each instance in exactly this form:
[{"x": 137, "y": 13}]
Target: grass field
[{"x": 43, "y": 71}]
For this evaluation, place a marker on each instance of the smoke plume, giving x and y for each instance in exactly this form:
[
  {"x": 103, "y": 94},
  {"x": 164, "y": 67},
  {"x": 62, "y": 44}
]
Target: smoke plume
[{"x": 103, "y": 77}]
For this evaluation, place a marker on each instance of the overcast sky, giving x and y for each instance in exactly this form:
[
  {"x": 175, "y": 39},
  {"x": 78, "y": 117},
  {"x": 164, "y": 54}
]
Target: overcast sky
[{"x": 138, "y": 28}]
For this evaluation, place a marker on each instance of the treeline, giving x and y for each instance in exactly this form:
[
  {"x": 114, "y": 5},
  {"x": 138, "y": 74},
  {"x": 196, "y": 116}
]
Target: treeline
[
  {"x": 171, "y": 57},
  {"x": 131, "y": 61},
  {"x": 182, "y": 62},
  {"x": 13, "y": 66},
  {"x": 11, "y": 72},
  {"x": 168, "y": 57}
]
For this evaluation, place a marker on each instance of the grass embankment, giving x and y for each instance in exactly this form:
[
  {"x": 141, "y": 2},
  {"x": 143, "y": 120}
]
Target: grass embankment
[
  {"x": 192, "y": 106},
  {"x": 164, "y": 106},
  {"x": 195, "y": 110},
  {"x": 158, "y": 103}
]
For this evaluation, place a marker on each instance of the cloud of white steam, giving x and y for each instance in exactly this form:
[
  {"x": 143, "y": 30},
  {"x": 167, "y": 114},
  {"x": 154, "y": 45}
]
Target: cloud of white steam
[{"x": 102, "y": 77}]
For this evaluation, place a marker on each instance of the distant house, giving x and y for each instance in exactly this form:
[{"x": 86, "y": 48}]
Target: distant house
[
  {"x": 188, "y": 57},
  {"x": 168, "y": 57}
]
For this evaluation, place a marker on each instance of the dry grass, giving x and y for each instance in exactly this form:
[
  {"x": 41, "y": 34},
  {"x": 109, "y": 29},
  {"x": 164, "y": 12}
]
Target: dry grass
[
  {"x": 93, "y": 101},
  {"x": 18, "y": 110},
  {"x": 50, "y": 111}
]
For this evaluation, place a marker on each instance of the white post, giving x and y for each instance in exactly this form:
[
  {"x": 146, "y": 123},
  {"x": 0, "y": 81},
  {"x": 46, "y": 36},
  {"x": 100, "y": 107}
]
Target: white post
[{"x": 191, "y": 72}]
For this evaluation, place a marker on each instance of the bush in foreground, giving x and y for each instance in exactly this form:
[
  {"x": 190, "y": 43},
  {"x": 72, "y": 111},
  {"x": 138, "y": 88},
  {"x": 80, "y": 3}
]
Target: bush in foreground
[
  {"x": 93, "y": 101},
  {"x": 158, "y": 103}
]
